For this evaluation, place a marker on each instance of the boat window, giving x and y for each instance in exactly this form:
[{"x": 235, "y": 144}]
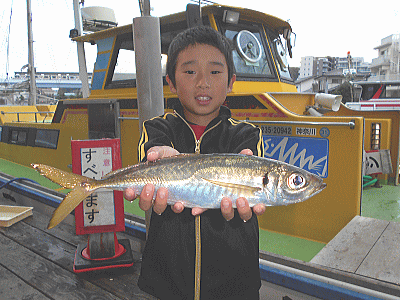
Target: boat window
[
  {"x": 18, "y": 137},
  {"x": 243, "y": 102},
  {"x": 249, "y": 54},
  {"x": 280, "y": 52},
  {"x": 123, "y": 65},
  {"x": 46, "y": 138},
  {"x": 125, "y": 68},
  {"x": 393, "y": 91},
  {"x": 171, "y": 103}
]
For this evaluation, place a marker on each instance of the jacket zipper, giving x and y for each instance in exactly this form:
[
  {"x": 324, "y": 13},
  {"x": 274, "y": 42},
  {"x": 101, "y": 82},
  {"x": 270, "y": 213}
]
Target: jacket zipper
[
  {"x": 197, "y": 271},
  {"x": 197, "y": 141}
]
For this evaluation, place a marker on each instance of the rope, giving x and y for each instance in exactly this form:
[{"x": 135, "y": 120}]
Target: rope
[{"x": 15, "y": 179}]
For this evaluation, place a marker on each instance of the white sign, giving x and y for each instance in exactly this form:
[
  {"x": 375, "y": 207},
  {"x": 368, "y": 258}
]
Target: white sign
[{"x": 98, "y": 208}]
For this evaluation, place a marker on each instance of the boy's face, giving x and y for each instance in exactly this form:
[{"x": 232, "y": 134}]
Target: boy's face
[{"x": 201, "y": 82}]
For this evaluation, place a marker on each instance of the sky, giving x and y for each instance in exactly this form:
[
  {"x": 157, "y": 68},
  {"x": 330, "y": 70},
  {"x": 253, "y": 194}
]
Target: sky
[{"x": 322, "y": 28}]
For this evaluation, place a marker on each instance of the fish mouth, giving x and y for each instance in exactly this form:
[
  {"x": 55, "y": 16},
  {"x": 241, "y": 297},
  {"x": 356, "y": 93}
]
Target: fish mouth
[{"x": 321, "y": 187}]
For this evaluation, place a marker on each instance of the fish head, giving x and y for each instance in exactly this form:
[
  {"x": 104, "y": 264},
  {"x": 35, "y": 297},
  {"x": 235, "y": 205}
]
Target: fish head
[{"x": 288, "y": 184}]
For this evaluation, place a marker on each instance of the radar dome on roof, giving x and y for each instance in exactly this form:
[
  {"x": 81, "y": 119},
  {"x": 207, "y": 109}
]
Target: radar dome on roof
[{"x": 95, "y": 18}]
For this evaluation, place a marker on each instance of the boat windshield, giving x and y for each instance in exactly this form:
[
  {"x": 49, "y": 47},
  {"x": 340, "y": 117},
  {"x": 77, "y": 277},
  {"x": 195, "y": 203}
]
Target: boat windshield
[
  {"x": 280, "y": 54},
  {"x": 249, "y": 53}
]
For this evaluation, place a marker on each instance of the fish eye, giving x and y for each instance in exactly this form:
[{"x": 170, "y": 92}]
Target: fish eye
[
  {"x": 265, "y": 179},
  {"x": 296, "y": 181}
]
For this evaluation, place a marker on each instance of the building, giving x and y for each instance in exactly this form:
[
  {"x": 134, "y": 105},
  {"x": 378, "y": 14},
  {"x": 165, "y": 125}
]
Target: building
[
  {"x": 315, "y": 66},
  {"x": 357, "y": 65},
  {"x": 324, "y": 74},
  {"x": 329, "y": 81},
  {"x": 306, "y": 84},
  {"x": 386, "y": 67},
  {"x": 50, "y": 85},
  {"x": 42, "y": 76}
]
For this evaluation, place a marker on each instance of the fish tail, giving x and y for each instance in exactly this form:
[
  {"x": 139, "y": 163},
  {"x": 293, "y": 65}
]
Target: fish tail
[
  {"x": 70, "y": 202},
  {"x": 65, "y": 179},
  {"x": 82, "y": 187}
]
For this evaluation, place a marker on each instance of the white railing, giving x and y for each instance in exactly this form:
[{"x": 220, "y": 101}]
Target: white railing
[
  {"x": 372, "y": 106},
  {"x": 388, "y": 77}
]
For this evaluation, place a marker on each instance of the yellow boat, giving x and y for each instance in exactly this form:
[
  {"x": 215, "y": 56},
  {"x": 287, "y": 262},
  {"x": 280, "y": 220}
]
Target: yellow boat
[{"x": 297, "y": 128}]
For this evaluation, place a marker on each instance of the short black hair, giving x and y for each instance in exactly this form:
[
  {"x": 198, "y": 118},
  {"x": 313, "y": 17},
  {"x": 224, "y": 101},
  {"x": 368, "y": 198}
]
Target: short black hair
[{"x": 199, "y": 35}]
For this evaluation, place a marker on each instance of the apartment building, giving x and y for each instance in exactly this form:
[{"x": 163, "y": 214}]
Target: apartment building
[
  {"x": 386, "y": 67},
  {"x": 357, "y": 65},
  {"x": 315, "y": 66}
]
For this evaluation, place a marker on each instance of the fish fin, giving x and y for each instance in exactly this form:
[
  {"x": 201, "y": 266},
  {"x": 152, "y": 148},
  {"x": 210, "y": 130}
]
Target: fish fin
[
  {"x": 65, "y": 179},
  {"x": 70, "y": 202},
  {"x": 233, "y": 185},
  {"x": 82, "y": 187}
]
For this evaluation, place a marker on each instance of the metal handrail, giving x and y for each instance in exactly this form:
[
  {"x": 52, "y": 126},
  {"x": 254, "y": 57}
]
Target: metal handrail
[
  {"x": 128, "y": 118},
  {"x": 350, "y": 124},
  {"x": 375, "y": 105},
  {"x": 27, "y": 112}
]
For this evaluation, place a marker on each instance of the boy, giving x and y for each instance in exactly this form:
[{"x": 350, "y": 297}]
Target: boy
[{"x": 200, "y": 72}]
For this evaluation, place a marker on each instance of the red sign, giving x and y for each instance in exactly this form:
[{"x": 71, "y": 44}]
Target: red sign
[{"x": 103, "y": 210}]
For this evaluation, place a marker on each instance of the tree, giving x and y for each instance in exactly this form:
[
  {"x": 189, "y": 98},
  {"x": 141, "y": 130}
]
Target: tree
[{"x": 345, "y": 90}]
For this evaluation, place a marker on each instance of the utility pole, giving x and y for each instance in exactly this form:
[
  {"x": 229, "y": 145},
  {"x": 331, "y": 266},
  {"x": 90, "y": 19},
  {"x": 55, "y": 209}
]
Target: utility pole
[
  {"x": 83, "y": 75},
  {"x": 147, "y": 44},
  {"x": 350, "y": 77},
  {"x": 31, "y": 66}
]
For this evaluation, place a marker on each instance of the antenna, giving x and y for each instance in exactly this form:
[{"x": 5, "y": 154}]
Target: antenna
[{"x": 8, "y": 42}]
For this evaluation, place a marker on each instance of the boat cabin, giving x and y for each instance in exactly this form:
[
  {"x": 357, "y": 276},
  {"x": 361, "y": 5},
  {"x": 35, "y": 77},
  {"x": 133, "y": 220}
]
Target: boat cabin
[{"x": 262, "y": 43}]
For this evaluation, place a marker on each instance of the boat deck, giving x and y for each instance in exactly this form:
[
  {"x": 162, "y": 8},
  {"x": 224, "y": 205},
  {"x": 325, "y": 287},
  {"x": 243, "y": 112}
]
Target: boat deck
[
  {"x": 366, "y": 247},
  {"x": 36, "y": 263}
]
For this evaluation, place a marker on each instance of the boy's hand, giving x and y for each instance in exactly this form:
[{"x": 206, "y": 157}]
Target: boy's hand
[
  {"x": 244, "y": 210},
  {"x": 242, "y": 204},
  {"x": 159, "y": 152},
  {"x": 147, "y": 194}
]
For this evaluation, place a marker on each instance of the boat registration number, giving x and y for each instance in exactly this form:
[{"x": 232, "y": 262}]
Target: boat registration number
[{"x": 276, "y": 130}]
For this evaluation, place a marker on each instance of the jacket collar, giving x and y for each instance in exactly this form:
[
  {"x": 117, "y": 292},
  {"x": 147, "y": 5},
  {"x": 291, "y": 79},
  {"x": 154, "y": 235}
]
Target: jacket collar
[{"x": 224, "y": 114}]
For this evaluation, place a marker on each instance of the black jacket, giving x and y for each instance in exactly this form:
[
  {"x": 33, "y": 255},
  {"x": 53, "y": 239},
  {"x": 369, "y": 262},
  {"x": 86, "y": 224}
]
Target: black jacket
[{"x": 230, "y": 250}]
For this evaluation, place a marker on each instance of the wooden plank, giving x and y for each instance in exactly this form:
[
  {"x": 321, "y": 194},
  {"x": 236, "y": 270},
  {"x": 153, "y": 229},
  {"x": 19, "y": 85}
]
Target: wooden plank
[
  {"x": 347, "y": 250},
  {"x": 46, "y": 276},
  {"x": 12, "y": 287},
  {"x": 62, "y": 231},
  {"x": 59, "y": 246},
  {"x": 383, "y": 262},
  {"x": 41, "y": 243}
]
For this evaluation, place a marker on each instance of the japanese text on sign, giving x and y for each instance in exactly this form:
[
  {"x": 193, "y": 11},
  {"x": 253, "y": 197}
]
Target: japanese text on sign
[
  {"x": 98, "y": 208},
  {"x": 306, "y": 131}
]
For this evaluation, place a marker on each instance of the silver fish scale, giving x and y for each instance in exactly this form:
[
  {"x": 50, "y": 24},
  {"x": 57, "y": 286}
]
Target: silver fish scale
[
  {"x": 213, "y": 179},
  {"x": 203, "y": 180}
]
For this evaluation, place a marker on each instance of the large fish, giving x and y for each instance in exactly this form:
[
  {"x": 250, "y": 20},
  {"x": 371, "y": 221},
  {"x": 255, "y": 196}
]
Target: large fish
[{"x": 196, "y": 180}]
